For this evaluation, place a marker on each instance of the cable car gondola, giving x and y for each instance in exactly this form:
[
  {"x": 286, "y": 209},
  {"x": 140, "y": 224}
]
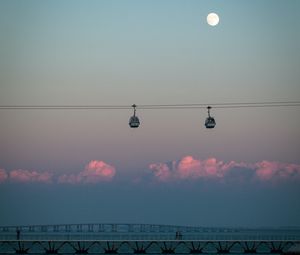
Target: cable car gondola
[
  {"x": 210, "y": 121},
  {"x": 134, "y": 121}
]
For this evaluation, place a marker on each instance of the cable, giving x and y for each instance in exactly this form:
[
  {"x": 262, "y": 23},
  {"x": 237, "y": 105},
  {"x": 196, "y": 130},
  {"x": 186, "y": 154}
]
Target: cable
[
  {"x": 152, "y": 107},
  {"x": 65, "y": 107},
  {"x": 216, "y": 104}
]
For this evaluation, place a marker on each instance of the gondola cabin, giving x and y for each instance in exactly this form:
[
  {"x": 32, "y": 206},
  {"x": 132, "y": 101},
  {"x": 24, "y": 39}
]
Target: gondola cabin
[
  {"x": 210, "y": 121},
  {"x": 134, "y": 121}
]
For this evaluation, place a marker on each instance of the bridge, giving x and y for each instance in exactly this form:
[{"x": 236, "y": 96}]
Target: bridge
[{"x": 144, "y": 239}]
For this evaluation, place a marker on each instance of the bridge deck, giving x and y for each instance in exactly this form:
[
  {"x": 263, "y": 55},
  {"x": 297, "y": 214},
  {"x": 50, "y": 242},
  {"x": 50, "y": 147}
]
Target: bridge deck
[{"x": 143, "y": 239}]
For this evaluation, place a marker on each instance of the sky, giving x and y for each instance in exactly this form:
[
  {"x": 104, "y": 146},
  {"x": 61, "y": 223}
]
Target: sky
[{"x": 82, "y": 166}]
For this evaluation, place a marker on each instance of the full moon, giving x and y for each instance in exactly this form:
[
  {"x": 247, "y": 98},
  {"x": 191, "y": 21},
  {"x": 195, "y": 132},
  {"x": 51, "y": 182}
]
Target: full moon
[{"x": 213, "y": 19}]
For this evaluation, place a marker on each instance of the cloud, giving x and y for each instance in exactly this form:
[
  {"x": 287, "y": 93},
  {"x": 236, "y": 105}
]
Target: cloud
[
  {"x": 3, "y": 175},
  {"x": 189, "y": 168},
  {"x": 94, "y": 172},
  {"x": 268, "y": 170},
  {"x": 161, "y": 171},
  {"x": 21, "y": 175}
]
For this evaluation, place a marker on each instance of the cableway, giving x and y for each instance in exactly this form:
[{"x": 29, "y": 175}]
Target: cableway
[{"x": 134, "y": 121}]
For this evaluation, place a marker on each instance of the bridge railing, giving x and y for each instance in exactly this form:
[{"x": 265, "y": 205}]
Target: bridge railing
[
  {"x": 134, "y": 228},
  {"x": 122, "y": 228},
  {"x": 142, "y": 232},
  {"x": 141, "y": 236}
]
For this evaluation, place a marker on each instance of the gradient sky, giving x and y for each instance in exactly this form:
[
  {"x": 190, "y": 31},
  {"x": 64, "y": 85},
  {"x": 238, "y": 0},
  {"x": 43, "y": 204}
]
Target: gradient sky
[{"x": 78, "y": 166}]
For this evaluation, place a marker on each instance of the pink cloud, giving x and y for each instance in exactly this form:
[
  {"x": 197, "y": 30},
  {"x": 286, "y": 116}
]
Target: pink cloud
[
  {"x": 161, "y": 171},
  {"x": 98, "y": 170},
  {"x": 94, "y": 172},
  {"x": 269, "y": 170},
  {"x": 3, "y": 175},
  {"x": 21, "y": 175},
  {"x": 191, "y": 168},
  {"x": 188, "y": 167}
]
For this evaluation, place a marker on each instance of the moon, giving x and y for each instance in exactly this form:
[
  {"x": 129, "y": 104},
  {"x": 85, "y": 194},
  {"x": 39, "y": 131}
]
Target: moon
[{"x": 213, "y": 19}]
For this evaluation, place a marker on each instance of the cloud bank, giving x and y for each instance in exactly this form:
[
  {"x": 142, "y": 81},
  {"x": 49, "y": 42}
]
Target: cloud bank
[
  {"x": 94, "y": 172},
  {"x": 189, "y": 168},
  {"x": 21, "y": 175}
]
